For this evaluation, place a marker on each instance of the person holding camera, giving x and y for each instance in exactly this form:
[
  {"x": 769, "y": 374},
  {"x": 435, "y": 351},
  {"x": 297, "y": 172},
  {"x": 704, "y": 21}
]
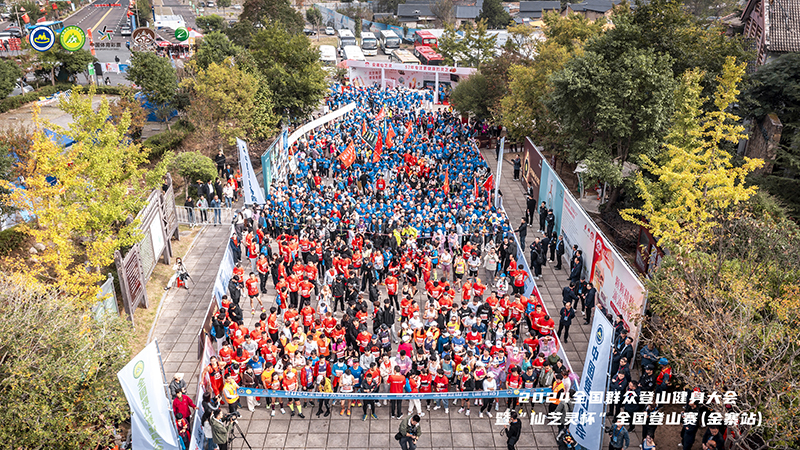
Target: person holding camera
[
  {"x": 180, "y": 272},
  {"x": 513, "y": 430},
  {"x": 619, "y": 437},
  {"x": 409, "y": 432},
  {"x": 221, "y": 427}
]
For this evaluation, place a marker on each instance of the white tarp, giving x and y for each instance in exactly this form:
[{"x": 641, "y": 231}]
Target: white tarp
[
  {"x": 588, "y": 431},
  {"x": 252, "y": 191},
  {"x": 142, "y": 380}
]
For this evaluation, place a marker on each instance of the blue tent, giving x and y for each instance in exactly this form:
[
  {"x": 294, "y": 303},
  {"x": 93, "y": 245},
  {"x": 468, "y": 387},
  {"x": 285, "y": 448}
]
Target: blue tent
[
  {"x": 59, "y": 139},
  {"x": 151, "y": 108}
]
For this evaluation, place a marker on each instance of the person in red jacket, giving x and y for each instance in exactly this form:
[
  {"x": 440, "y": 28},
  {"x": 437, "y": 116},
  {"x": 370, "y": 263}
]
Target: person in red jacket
[
  {"x": 308, "y": 317},
  {"x": 441, "y": 384},
  {"x": 252, "y": 291},
  {"x": 513, "y": 381},
  {"x": 305, "y": 288},
  {"x": 397, "y": 385},
  {"x": 391, "y": 287}
]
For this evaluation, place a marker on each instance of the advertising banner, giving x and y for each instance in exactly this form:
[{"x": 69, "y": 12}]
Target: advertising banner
[
  {"x": 412, "y": 76},
  {"x": 252, "y": 193},
  {"x": 532, "y": 167},
  {"x": 224, "y": 274},
  {"x": 587, "y": 428},
  {"x": 198, "y": 436},
  {"x": 151, "y": 413},
  {"x": 551, "y": 191}
]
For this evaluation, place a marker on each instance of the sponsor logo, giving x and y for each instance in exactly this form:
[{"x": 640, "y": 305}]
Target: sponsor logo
[
  {"x": 42, "y": 39},
  {"x": 181, "y": 34},
  {"x": 138, "y": 369},
  {"x": 72, "y": 38}
]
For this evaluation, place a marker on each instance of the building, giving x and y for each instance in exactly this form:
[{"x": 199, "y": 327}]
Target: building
[
  {"x": 773, "y": 27},
  {"x": 593, "y": 9},
  {"x": 468, "y": 13},
  {"x": 415, "y": 14},
  {"x": 531, "y": 13}
]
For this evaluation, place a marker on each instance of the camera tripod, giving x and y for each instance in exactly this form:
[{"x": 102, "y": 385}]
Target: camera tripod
[{"x": 232, "y": 436}]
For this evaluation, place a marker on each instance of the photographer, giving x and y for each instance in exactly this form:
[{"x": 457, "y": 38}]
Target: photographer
[
  {"x": 180, "y": 272},
  {"x": 409, "y": 432},
  {"x": 513, "y": 430},
  {"x": 221, "y": 426}
]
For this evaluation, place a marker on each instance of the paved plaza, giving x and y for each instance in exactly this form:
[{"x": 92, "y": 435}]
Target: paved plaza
[{"x": 184, "y": 311}]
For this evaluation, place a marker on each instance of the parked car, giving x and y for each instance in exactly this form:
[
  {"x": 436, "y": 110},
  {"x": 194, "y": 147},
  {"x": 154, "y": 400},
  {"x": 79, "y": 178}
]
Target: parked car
[
  {"x": 20, "y": 88},
  {"x": 236, "y": 6},
  {"x": 211, "y": 5},
  {"x": 309, "y": 32},
  {"x": 330, "y": 31},
  {"x": 201, "y": 10},
  {"x": 125, "y": 31}
]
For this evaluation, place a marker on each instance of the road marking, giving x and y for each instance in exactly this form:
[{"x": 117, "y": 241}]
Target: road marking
[{"x": 101, "y": 19}]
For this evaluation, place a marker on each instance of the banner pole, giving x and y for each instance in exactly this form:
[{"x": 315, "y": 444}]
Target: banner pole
[{"x": 499, "y": 172}]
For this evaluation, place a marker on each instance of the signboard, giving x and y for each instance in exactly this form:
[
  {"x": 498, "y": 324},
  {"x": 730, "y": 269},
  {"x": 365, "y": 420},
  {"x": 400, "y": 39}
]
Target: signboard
[
  {"x": 587, "y": 429},
  {"x": 143, "y": 39},
  {"x": 42, "y": 39},
  {"x": 252, "y": 192},
  {"x": 181, "y": 34},
  {"x": 72, "y": 38},
  {"x": 152, "y": 425}
]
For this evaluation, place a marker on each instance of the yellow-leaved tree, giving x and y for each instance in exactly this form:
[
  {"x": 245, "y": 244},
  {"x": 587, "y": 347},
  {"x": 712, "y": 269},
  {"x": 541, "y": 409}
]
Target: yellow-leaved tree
[
  {"x": 724, "y": 305},
  {"x": 697, "y": 184},
  {"x": 83, "y": 196}
]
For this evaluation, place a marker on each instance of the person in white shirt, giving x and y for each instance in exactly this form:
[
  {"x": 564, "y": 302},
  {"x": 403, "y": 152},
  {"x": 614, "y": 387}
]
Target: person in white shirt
[{"x": 489, "y": 384}]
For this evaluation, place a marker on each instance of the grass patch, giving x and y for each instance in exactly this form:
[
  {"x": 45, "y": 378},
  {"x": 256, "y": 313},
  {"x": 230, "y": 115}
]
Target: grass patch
[{"x": 155, "y": 288}]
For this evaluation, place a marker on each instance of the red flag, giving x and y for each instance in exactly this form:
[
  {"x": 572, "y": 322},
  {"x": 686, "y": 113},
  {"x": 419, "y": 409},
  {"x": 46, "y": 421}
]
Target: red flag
[
  {"x": 446, "y": 187},
  {"x": 363, "y": 128},
  {"x": 390, "y": 134},
  {"x": 489, "y": 183},
  {"x": 348, "y": 156},
  {"x": 376, "y": 154},
  {"x": 409, "y": 130},
  {"x": 381, "y": 114}
]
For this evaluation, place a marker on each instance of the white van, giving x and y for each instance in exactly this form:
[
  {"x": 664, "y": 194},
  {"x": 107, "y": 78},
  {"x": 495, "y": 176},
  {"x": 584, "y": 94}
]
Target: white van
[
  {"x": 369, "y": 44},
  {"x": 327, "y": 56},
  {"x": 389, "y": 41},
  {"x": 352, "y": 52},
  {"x": 346, "y": 38}
]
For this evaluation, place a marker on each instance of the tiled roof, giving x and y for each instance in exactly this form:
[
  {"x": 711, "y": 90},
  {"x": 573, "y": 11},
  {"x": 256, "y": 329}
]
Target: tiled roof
[
  {"x": 467, "y": 12},
  {"x": 784, "y": 26},
  {"x": 414, "y": 10}
]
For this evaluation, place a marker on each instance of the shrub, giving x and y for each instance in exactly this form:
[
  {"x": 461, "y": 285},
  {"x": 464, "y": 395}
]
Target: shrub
[
  {"x": 9, "y": 103},
  {"x": 11, "y": 240},
  {"x": 163, "y": 142}
]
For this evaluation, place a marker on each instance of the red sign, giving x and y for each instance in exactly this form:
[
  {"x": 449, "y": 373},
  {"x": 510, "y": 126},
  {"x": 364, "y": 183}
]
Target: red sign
[{"x": 348, "y": 156}]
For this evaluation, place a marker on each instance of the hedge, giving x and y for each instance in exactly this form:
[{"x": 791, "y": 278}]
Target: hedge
[
  {"x": 163, "y": 142},
  {"x": 7, "y": 104},
  {"x": 11, "y": 239}
]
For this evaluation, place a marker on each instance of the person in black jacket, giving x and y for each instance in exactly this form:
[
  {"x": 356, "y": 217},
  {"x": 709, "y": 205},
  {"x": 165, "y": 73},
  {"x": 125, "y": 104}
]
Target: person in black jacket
[
  {"x": 542, "y": 217},
  {"x": 535, "y": 259},
  {"x": 530, "y": 209},
  {"x": 235, "y": 289},
  {"x": 513, "y": 430},
  {"x": 220, "y": 161},
  {"x": 560, "y": 251},
  {"x": 568, "y": 294},
  {"x": 544, "y": 244},
  {"x": 588, "y": 302},
  {"x": 575, "y": 273},
  {"x": 550, "y": 220},
  {"x": 565, "y": 320},
  {"x": 523, "y": 232}
]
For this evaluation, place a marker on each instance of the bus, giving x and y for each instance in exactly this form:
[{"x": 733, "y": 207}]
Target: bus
[
  {"x": 429, "y": 57},
  {"x": 403, "y": 57},
  {"x": 369, "y": 43},
  {"x": 346, "y": 38},
  {"x": 354, "y": 53},
  {"x": 327, "y": 56},
  {"x": 423, "y": 38},
  {"x": 389, "y": 41},
  {"x": 55, "y": 25}
]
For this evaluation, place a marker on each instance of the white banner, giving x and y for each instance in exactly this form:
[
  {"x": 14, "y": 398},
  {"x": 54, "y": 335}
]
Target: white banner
[
  {"x": 252, "y": 191},
  {"x": 198, "y": 435},
  {"x": 318, "y": 122},
  {"x": 151, "y": 412},
  {"x": 588, "y": 431},
  {"x": 412, "y": 68}
]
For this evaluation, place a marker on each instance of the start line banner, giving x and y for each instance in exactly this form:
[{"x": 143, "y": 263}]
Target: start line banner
[{"x": 538, "y": 395}]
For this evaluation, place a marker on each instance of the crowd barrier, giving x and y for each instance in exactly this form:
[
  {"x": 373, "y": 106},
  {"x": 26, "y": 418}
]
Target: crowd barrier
[
  {"x": 195, "y": 216},
  {"x": 537, "y": 395}
]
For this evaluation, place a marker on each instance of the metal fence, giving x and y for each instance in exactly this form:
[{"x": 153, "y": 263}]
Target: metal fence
[{"x": 208, "y": 216}]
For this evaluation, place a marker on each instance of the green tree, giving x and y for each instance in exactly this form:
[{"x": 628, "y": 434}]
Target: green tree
[
  {"x": 211, "y": 23},
  {"x": 224, "y": 4},
  {"x": 314, "y": 17},
  {"x": 473, "y": 49},
  {"x": 614, "y": 102},
  {"x": 224, "y": 102},
  {"x": 357, "y": 33},
  {"x": 155, "y": 76},
  {"x": 265, "y": 11},
  {"x": 494, "y": 14},
  {"x": 775, "y": 89},
  {"x": 82, "y": 218},
  {"x": 291, "y": 69},
  {"x": 64, "y": 390},
  {"x": 215, "y": 47},
  {"x": 76, "y": 62},
  {"x": 9, "y": 73},
  {"x": 469, "y": 97},
  {"x": 193, "y": 166}
]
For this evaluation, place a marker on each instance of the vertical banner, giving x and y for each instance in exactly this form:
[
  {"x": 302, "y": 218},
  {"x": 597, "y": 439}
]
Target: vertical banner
[
  {"x": 551, "y": 191},
  {"x": 499, "y": 172},
  {"x": 151, "y": 413},
  {"x": 224, "y": 274},
  {"x": 252, "y": 192},
  {"x": 588, "y": 431},
  {"x": 198, "y": 435}
]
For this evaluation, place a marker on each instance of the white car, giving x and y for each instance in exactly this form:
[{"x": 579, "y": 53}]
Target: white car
[
  {"x": 330, "y": 31},
  {"x": 236, "y": 6}
]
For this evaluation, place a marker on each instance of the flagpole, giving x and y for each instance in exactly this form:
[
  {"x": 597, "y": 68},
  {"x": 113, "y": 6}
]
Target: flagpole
[{"x": 499, "y": 171}]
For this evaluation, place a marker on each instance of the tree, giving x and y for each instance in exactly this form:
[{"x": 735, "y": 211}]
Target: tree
[
  {"x": 773, "y": 89},
  {"x": 128, "y": 106},
  {"x": 215, "y": 47},
  {"x": 445, "y": 11},
  {"x": 224, "y": 102},
  {"x": 495, "y": 15},
  {"x": 211, "y": 23},
  {"x": 697, "y": 185},
  {"x": 265, "y": 11},
  {"x": 48, "y": 62},
  {"x": 314, "y": 17},
  {"x": 473, "y": 49},
  {"x": 725, "y": 300},
  {"x": 470, "y": 97},
  {"x": 76, "y": 62},
  {"x": 388, "y": 6},
  {"x": 224, "y": 4},
  {"x": 156, "y": 76},
  {"x": 358, "y": 26},
  {"x": 614, "y": 102},
  {"x": 193, "y": 166},
  {"x": 81, "y": 196},
  {"x": 9, "y": 73},
  {"x": 291, "y": 69},
  {"x": 59, "y": 368}
]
